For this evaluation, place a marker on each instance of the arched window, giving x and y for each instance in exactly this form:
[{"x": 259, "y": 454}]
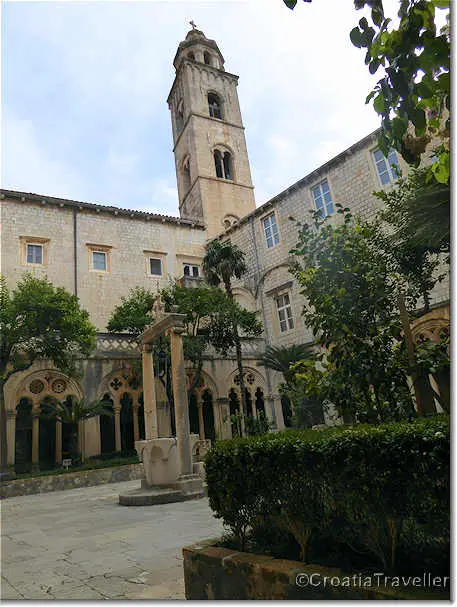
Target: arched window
[
  {"x": 180, "y": 115},
  {"x": 186, "y": 174},
  {"x": 191, "y": 56},
  {"x": 214, "y": 106},
  {"x": 207, "y": 58},
  {"x": 223, "y": 164}
]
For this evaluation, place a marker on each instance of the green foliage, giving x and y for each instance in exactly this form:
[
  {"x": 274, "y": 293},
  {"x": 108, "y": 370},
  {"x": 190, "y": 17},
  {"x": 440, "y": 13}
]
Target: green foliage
[
  {"x": 73, "y": 412},
  {"x": 366, "y": 486},
  {"x": 41, "y": 321},
  {"x": 351, "y": 307},
  {"x": 417, "y": 213},
  {"x": 222, "y": 262},
  {"x": 415, "y": 87},
  {"x": 280, "y": 358},
  {"x": 133, "y": 314}
]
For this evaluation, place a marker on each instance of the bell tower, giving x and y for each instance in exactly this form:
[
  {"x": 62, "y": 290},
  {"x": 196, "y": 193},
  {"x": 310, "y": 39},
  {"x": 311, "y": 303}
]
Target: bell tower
[{"x": 212, "y": 166}]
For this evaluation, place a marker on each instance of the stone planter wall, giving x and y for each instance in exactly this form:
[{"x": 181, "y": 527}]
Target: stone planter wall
[
  {"x": 212, "y": 573},
  {"x": 70, "y": 480}
]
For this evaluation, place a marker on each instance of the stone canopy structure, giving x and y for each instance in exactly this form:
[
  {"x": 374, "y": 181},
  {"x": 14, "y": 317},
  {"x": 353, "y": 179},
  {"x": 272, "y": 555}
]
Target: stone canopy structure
[{"x": 101, "y": 252}]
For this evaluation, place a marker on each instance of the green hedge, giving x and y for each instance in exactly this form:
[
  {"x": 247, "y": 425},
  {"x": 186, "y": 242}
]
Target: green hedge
[{"x": 382, "y": 491}]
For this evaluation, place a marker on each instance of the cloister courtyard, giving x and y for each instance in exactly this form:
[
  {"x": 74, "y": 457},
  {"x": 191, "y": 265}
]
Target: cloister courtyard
[{"x": 81, "y": 544}]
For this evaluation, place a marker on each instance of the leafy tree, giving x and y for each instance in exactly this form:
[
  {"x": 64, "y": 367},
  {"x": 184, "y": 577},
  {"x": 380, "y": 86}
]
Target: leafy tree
[
  {"x": 351, "y": 307},
  {"x": 39, "y": 321},
  {"x": 415, "y": 87},
  {"x": 210, "y": 318},
  {"x": 74, "y": 412},
  {"x": 222, "y": 262},
  {"x": 413, "y": 99},
  {"x": 133, "y": 314}
]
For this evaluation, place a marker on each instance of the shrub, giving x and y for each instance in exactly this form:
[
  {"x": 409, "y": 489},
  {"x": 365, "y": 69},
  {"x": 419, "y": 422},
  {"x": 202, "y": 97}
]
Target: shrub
[{"x": 377, "y": 489}]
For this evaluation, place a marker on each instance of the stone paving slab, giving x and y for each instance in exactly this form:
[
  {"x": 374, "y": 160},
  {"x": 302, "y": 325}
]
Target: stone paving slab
[{"x": 81, "y": 544}]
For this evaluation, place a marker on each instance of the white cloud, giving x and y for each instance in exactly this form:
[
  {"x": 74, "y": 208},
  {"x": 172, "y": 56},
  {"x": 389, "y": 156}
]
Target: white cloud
[{"x": 27, "y": 167}]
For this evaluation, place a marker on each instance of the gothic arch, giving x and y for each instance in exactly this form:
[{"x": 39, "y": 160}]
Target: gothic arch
[
  {"x": 244, "y": 297},
  {"x": 38, "y": 385},
  {"x": 433, "y": 326}
]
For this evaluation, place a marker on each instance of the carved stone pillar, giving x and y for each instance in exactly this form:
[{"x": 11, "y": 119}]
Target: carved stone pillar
[
  {"x": 136, "y": 428},
  {"x": 276, "y": 410},
  {"x": 181, "y": 403},
  {"x": 117, "y": 422},
  {"x": 11, "y": 435},
  {"x": 35, "y": 436},
  {"x": 201, "y": 423},
  {"x": 58, "y": 441},
  {"x": 149, "y": 394}
]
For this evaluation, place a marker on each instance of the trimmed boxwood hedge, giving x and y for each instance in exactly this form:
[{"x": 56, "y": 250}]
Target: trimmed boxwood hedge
[{"x": 379, "y": 490}]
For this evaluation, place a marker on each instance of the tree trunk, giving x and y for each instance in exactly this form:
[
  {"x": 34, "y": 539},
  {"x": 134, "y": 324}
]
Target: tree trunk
[
  {"x": 239, "y": 360},
  {"x": 4, "y": 470}
]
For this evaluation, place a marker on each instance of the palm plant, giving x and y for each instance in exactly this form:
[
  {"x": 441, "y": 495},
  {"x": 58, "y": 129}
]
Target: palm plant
[
  {"x": 222, "y": 262},
  {"x": 280, "y": 358},
  {"x": 72, "y": 412}
]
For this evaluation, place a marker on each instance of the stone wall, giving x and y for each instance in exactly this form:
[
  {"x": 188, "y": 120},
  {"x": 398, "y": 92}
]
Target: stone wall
[
  {"x": 212, "y": 573},
  {"x": 129, "y": 241},
  {"x": 70, "y": 480}
]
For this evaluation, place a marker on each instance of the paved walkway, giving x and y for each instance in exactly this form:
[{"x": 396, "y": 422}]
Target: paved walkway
[{"x": 80, "y": 544}]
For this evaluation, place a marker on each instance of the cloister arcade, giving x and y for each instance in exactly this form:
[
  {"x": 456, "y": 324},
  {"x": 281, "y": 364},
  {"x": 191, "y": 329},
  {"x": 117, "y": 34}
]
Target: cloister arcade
[{"x": 36, "y": 441}]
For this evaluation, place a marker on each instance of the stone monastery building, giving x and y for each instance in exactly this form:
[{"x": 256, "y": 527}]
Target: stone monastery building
[{"x": 100, "y": 252}]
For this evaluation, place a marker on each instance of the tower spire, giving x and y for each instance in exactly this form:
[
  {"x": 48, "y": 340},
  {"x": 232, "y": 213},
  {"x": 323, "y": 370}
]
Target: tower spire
[{"x": 212, "y": 166}]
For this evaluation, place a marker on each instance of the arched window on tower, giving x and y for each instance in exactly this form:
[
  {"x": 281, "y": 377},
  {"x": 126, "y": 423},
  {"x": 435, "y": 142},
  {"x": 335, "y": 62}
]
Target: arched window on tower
[
  {"x": 214, "y": 106},
  {"x": 180, "y": 115},
  {"x": 207, "y": 58},
  {"x": 191, "y": 56},
  {"x": 223, "y": 164},
  {"x": 186, "y": 174}
]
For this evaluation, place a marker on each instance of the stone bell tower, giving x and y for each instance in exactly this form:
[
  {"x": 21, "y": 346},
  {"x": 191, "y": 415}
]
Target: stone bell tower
[{"x": 212, "y": 166}]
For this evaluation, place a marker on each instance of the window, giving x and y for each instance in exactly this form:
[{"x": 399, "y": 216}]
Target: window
[
  {"x": 286, "y": 322},
  {"x": 207, "y": 58},
  {"x": 214, "y": 106},
  {"x": 271, "y": 230},
  {"x": 155, "y": 266},
  {"x": 180, "y": 115},
  {"x": 191, "y": 270},
  {"x": 323, "y": 199},
  {"x": 223, "y": 164},
  {"x": 191, "y": 56},
  {"x": 34, "y": 250},
  {"x": 99, "y": 261},
  {"x": 35, "y": 254},
  {"x": 186, "y": 174},
  {"x": 388, "y": 168}
]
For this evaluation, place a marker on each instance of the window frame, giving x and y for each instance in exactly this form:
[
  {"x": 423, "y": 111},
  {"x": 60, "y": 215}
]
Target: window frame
[
  {"x": 25, "y": 241},
  {"x": 286, "y": 308},
  {"x": 324, "y": 211},
  {"x": 37, "y": 246},
  {"x": 390, "y": 170},
  {"x": 94, "y": 269},
  {"x": 275, "y": 239},
  {"x": 160, "y": 260},
  {"x": 192, "y": 267},
  {"x": 96, "y": 248}
]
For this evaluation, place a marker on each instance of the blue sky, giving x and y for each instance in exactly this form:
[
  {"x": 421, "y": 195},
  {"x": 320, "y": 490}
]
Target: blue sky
[{"x": 84, "y": 88}]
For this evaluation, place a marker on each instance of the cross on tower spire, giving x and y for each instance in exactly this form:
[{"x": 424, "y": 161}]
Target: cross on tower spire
[{"x": 192, "y": 24}]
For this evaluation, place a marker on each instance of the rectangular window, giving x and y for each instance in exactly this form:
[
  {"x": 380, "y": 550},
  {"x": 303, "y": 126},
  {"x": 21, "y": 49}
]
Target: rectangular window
[
  {"x": 99, "y": 261},
  {"x": 192, "y": 271},
  {"x": 388, "y": 168},
  {"x": 155, "y": 266},
  {"x": 323, "y": 199},
  {"x": 271, "y": 230},
  {"x": 286, "y": 321},
  {"x": 35, "y": 254}
]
